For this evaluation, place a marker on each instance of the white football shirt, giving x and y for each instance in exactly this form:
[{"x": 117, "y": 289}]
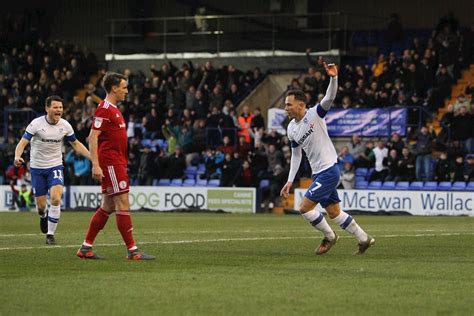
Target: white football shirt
[
  {"x": 311, "y": 133},
  {"x": 46, "y": 141}
]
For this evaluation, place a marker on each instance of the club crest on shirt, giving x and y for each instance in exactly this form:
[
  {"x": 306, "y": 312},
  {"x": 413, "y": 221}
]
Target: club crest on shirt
[
  {"x": 97, "y": 122},
  {"x": 305, "y": 120},
  {"x": 122, "y": 184}
]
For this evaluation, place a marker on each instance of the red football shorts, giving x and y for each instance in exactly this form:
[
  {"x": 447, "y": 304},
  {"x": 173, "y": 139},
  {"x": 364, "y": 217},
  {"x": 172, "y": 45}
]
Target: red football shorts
[{"x": 115, "y": 180}]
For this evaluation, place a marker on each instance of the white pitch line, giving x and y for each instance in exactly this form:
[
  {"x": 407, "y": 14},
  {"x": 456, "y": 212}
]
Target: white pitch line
[
  {"x": 190, "y": 241},
  {"x": 229, "y": 232}
]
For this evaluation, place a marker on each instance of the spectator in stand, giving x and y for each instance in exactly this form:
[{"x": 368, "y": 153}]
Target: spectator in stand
[
  {"x": 347, "y": 176},
  {"x": 230, "y": 168},
  {"x": 146, "y": 166},
  {"x": 226, "y": 147},
  {"x": 406, "y": 166},
  {"x": 442, "y": 168},
  {"x": 245, "y": 176},
  {"x": 469, "y": 172},
  {"x": 463, "y": 127},
  {"x": 258, "y": 160},
  {"x": 423, "y": 150},
  {"x": 22, "y": 197},
  {"x": 343, "y": 157},
  {"x": 446, "y": 126},
  {"x": 245, "y": 120},
  {"x": 455, "y": 148},
  {"x": 391, "y": 162},
  {"x": 199, "y": 136},
  {"x": 367, "y": 158},
  {"x": 80, "y": 168},
  {"x": 175, "y": 164},
  {"x": 243, "y": 148},
  {"x": 396, "y": 143},
  {"x": 170, "y": 137},
  {"x": 257, "y": 120},
  {"x": 275, "y": 158},
  {"x": 461, "y": 101},
  {"x": 380, "y": 153},
  {"x": 213, "y": 161},
  {"x": 184, "y": 134},
  {"x": 442, "y": 84},
  {"x": 458, "y": 170},
  {"x": 356, "y": 147}
]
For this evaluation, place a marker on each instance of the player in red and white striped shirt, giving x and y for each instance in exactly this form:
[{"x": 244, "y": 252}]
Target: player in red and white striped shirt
[{"x": 108, "y": 145}]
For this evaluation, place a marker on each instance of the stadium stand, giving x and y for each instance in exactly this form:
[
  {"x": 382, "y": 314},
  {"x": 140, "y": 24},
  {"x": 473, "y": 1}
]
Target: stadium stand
[{"x": 178, "y": 115}]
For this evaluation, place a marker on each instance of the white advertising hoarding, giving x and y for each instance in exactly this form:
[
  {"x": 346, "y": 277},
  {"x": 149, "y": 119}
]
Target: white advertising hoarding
[
  {"x": 235, "y": 200},
  {"x": 413, "y": 202}
]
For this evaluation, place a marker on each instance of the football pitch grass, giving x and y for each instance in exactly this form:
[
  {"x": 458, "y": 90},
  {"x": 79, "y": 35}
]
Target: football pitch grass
[{"x": 226, "y": 264}]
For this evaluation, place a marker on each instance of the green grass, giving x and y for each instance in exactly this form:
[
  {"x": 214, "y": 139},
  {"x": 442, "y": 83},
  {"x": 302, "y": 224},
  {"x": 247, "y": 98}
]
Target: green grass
[{"x": 222, "y": 264}]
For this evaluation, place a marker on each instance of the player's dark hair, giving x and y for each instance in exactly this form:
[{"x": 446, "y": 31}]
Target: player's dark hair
[
  {"x": 298, "y": 94},
  {"x": 52, "y": 98},
  {"x": 112, "y": 79}
]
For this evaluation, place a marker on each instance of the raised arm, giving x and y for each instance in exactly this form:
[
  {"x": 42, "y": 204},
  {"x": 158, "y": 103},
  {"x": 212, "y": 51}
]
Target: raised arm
[{"x": 331, "y": 92}]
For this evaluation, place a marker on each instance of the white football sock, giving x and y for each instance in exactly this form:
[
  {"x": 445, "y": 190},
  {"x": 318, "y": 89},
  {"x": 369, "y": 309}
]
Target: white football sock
[
  {"x": 53, "y": 218},
  {"x": 317, "y": 219},
  {"x": 346, "y": 222}
]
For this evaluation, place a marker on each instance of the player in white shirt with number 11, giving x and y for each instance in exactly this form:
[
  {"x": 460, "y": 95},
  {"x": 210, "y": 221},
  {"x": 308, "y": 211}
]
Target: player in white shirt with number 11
[
  {"x": 308, "y": 131},
  {"x": 46, "y": 134}
]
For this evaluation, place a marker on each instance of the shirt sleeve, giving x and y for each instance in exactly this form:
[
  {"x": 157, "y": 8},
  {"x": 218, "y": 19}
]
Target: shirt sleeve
[
  {"x": 70, "y": 136},
  {"x": 101, "y": 120}
]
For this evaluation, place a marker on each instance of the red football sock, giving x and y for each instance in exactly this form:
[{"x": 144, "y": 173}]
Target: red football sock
[
  {"x": 98, "y": 221},
  {"x": 124, "y": 225}
]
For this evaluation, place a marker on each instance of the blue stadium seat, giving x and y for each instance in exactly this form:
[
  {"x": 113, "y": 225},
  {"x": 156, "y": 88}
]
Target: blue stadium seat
[
  {"x": 201, "y": 182},
  {"x": 470, "y": 186},
  {"x": 389, "y": 185},
  {"x": 360, "y": 178},
  {"x": 189, "y": 182},
  {"x": 213, "y": 183},
  {"x": 191, "y": 172},
  {"x": 177, "y": 182},
  {"x": 369, "y": 172},
  {"x": 361, "y": 172},
  {"x": 459, "y": 185},
  {"x": 201, "y": 168},
  {"x": 145, "y": 142},
  {"x": 375, "y": 185},
  {"x": 444, "y": 186},
  {"x": 430, "y": 185},
  {"x": 264, "y": 183},
  {"x": 361, "y": 185},
  {"x": 416, "y": 185},
  {"x": 164, "y": 182},
  {"x": 402, "y": 185}
]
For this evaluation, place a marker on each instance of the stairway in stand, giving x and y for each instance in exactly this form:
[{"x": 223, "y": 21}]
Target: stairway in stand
[{"x": 458, "y": 88}]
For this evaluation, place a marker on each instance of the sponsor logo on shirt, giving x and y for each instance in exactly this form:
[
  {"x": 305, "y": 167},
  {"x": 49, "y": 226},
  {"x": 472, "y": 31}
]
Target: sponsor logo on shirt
[
  {"x": 122, "y": 125},
  {"x": 51, "y": 140},
  {"x": 309, "y": 132}
]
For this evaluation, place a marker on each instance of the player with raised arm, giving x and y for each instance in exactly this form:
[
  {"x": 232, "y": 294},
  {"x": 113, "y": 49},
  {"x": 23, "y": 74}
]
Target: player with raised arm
[
  {"x": 108, "y": 144},
  {"x": 46, "y": 134},
  {"x": 308, "y": 131}
]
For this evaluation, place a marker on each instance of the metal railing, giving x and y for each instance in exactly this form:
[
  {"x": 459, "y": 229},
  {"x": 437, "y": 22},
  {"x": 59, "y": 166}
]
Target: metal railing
[{"x": 218, "y": 33}]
